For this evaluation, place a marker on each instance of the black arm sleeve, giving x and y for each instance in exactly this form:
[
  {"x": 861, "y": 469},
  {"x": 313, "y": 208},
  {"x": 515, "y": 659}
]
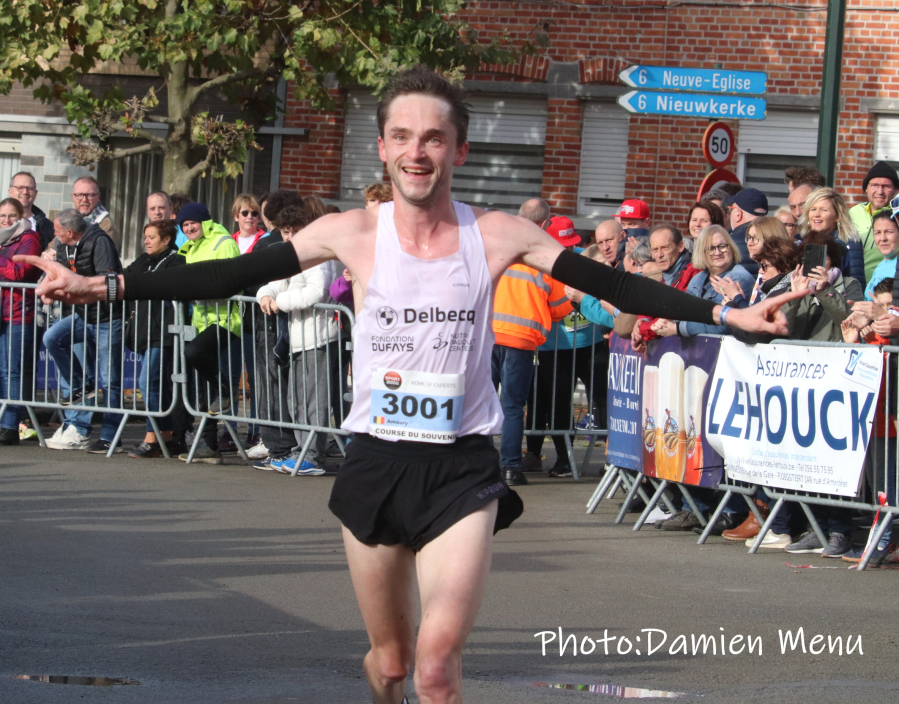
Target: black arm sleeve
[
  {"x": 214, "y": 279},
  {"x": 630, "y": 293}
]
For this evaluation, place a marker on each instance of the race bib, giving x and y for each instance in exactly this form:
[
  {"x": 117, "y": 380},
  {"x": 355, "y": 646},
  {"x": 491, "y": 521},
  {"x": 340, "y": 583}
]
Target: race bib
[
  {"x": 416, "y": 406},
  {"x": 575, "y": 321}
]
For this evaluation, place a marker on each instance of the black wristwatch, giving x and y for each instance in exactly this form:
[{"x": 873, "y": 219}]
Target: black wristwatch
[{"x": 112, "y": 286}]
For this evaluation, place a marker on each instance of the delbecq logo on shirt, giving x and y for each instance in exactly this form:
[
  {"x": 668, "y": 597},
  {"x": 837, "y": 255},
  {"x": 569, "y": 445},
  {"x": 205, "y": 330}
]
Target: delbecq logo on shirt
[{"x": 437, "y": 315}]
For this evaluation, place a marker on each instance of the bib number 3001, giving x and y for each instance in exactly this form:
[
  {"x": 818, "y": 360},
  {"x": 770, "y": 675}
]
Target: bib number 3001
[{"x": 416, "y": 406}]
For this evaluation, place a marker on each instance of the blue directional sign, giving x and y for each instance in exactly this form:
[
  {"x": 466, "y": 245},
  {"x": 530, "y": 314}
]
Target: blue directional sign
[
  {"x": 731, "y": 107},
  {"x": 700, "y": 80}
]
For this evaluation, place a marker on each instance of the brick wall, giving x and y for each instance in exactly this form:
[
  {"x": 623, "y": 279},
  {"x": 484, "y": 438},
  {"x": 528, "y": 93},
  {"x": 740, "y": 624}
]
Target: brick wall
[{"x": 312, "y": 164}]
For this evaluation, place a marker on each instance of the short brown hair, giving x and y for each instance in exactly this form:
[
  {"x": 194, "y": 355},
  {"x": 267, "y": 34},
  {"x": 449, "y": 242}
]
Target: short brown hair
[
  {"x": 421, "y": 80},
  {"x": 14, "y": 202},
  {"x": 779, "y": 253},
  {"x": 292, "y": 217},
  {"x": 804, "y": 176},
  {"x": 380, "y": 191},
  {"x": 834, "y": 250},
  {"x": 166, "y": 230},
  {"x": 315, "y": 206},
  {"x": 716, "y": 215}
]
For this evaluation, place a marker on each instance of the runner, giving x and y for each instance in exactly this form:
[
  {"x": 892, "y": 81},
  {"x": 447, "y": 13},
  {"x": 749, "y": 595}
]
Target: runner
[{"x": 420, "y": 493}]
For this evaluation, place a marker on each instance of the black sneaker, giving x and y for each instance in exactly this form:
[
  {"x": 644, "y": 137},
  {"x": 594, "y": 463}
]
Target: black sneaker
[
  {"x": 9, "y": 436},
  {"x": 561, "y": 470},
  {"x": 78, "y": 395},
  {"x": 101, "y": 447}
]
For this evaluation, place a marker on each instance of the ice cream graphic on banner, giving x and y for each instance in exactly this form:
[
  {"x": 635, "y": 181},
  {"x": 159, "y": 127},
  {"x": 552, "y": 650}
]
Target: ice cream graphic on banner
[
  {"x": 694, "y": 385},
  {"x": 671, "y": 436},
  {"x": 650, "y": 418}
]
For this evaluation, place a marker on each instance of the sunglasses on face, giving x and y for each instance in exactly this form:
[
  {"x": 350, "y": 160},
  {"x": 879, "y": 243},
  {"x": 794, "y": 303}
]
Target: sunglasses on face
[{"x": 250, "y": 213}]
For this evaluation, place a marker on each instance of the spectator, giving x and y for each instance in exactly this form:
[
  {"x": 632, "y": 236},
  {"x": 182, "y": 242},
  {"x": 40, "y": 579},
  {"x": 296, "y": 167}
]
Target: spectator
[
  {"x": 672, "y": 258},
  {"x": 786, "y": 217},
  {"x": 746, "y": 206},
  {"x": 702, "y": 214},
  {"x": 880, "y": 185},
  {"x": 23, "y": 188},
  {"x": 17, "y": 237},
  {"x": 86, "y": 197},
  {"x": 636, "y": 261},
  {"x": 611, "y": 242},
  {"x": 159, "y": 207},
  {"x": 272, "y": 404},
  {"x": 377, "y": 193},
  {"x": 525, "y": 304},
  {"x": 797, "y": 199},
  {"x": 795, "y": 176},
  {"x": 213, "y": 354},
  {"x": 178, "y": 201},
  {"x": 87, "y": 250},
  {"x": 312, "y": 345},
  {"x": 759, "y": 231},
  {"x": 315, "y": 207},
  {"x": 146, "y": 333},
  {"x": 731, "y": 189},
  {"x": 331, "y": 209},
  {"x": 574, "y": 349},
  {"x": 885, "y": 232},
  {"x": 825, "y": 213},
  {"x": 718, "y": 197},
  {"x": 715, "y": 257},
  {"x": 633, "y": 214}
]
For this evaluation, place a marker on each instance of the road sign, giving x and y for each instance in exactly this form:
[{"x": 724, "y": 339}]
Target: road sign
[
  {"x": 714, "y": 180},
  {"x": 718, "y": 145},
  {"x": 699, "y": 80},
  {"x": 686, "y": 105}
]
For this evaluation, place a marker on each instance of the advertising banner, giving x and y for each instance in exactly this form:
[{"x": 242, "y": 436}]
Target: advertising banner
[
  {"x": 656, "y": 405},
  {"x": 794, "y": 417}
]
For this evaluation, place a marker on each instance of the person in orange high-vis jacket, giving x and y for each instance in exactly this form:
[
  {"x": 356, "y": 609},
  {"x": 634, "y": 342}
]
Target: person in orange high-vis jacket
[{"x": 526, "y": 304}]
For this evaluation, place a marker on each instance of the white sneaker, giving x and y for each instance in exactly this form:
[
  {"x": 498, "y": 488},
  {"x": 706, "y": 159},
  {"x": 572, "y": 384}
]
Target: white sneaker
[
  {"x": 772, "y": 541},
  {"x": 69, "y": 439},
  {"x": 258, "y": 452},
  {"x": 657, "y": 515}
]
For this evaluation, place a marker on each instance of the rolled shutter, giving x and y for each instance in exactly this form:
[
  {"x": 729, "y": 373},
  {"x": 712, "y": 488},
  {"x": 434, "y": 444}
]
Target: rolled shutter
[{"x": 604, "y": 153}]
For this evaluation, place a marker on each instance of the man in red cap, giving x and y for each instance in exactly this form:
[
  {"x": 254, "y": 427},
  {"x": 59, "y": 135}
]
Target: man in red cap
[
  {"x": 633, "y": 214},
  {"x": 524, "y": 308}
]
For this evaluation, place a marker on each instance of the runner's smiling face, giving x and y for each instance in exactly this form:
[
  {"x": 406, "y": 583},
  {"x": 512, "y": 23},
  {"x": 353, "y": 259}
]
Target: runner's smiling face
[{"x": 419, "y": 147}]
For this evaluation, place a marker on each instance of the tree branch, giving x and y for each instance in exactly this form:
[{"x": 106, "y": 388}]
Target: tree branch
[
  {"x": 225, "y": 78},
  {"x": 199, "y": 168},
  {"x": 131, "y": 151}
]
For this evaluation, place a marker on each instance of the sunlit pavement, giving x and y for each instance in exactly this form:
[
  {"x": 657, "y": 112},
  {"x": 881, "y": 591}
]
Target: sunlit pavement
[{"x": 227, "y": 584}]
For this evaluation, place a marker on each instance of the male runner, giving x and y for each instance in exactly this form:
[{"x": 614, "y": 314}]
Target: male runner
[{"x": 424, "y": 501}]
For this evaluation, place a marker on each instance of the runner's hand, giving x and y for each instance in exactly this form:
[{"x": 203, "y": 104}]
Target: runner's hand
[
  {"x": 62, "y": 284},
  {"x": 765, "y": 317}
]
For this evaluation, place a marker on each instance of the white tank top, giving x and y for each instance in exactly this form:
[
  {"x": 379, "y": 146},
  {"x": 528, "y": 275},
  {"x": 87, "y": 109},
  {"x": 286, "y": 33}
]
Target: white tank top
[{"x": 422, "y": 344}]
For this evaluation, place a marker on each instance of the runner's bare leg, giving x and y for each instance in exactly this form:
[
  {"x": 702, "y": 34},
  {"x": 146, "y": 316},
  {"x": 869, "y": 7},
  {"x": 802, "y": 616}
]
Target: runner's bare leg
[
  {"x": 384, "y": 580},
  {"x": 452, "y": 575}
]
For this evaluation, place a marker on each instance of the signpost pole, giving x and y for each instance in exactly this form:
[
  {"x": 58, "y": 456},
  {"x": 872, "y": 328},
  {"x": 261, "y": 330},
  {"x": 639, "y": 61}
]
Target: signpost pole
[{"x": 830, "y": 89}]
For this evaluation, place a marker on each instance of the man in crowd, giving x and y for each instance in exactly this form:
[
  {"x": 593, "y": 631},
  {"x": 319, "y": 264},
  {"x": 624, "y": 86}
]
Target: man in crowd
[
  {"x": 524, "y": 307},
  {"x": 674, "y": 261},
  {"x": 881, "y": 185},
  {"x": 633, "y": 214},
  {"x": 611, "y": 241},
  {"x": 87, "y": 250},
  {"x": 159, "y": 207},
  {"x": 23, "y": 188},
  {"x": 86, "y": 197},
  {"x": 746, "y": 206},
  {"x": 795, "y": 176}
]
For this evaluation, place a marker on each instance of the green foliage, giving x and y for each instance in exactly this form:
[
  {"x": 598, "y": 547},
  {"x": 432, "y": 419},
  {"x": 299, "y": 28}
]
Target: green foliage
[{"x": 240, "y": 45}]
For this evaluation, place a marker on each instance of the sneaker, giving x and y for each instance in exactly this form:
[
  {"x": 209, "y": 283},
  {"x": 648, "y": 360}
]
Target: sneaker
[
  {"x": 561, "y": 470},
  {"x": 881, "y": 555},
  {"x": 78, "y": 395},
  {"x": 220, "y": 407},
  {"x": 837, "y": 546},
  {"x": 657, "y": 515},
  {"x": 532, "y": 462},
  {"x": 585, "y": 423},
  {"x": 265, "y": 465},
  {"x": 9, "y": 436},
  {"x": 276, "y": 464},
  {"x": 258, "y": 451},
  {"x": 308, "y": 468},
  {"x": 807, "y": 543},
  {"x": 772, "y": 541},
  {"x": 682, "y": 520},
  {"x": 101, "y": 447},
  {"x": 26, "y": 432},
  {"x": 204, "y": 455},
  {"x": 226, "y": 443},
  {"x": 68, "y": 439},
  {"x": 146, "y": 450}
]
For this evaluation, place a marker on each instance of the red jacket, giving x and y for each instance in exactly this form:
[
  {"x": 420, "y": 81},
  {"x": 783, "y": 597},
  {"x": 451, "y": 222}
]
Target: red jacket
[
  {"x": 686, "y": 276},
  {"x": 260, "y": 233},
  {"x": 14, "y": 300}
]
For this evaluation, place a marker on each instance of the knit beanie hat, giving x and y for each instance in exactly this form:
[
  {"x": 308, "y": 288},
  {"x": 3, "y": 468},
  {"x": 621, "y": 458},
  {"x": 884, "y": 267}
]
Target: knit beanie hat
[
  {"x": 881, "y": 170},
  {"x": 197, "y": 212}
]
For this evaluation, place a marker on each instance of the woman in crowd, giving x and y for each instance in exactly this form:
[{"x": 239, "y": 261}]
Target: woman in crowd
[
  {"x": 886, "y": 239},
  {"x": 247, "y": 214},
  {"x": 146, "y": 332},
  {"x": 214, "y": 353},
  {"x": 716, "y": 256},
  {"x": 786, "y": 217},
  {"x": 825, "y": 214},
  {"x": 759, "y": 231},
  {"x": 702, "y": 214},
  {"x": 17, "y": 316}
]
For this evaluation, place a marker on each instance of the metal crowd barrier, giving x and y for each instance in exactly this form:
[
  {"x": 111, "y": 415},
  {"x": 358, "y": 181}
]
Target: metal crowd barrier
[{"x": 219, "y": 398}]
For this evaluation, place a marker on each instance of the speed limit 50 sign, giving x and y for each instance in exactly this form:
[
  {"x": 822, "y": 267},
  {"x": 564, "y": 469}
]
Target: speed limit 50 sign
[{"x": 718, "y": 145}]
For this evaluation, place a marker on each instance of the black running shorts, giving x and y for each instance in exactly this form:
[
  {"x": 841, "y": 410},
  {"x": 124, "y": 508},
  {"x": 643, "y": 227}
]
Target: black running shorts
[{"x": 408, "y": 493}]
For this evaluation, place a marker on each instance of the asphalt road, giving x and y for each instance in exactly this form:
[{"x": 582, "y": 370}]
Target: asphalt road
[{"x": 225, "y": 584}]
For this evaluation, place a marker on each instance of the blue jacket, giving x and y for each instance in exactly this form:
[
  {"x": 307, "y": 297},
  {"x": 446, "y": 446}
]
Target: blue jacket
[
  {"x": 854, "y": 263},
  {"x": 748, "y": 263},
  {"x": 701, "y": 287}
]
